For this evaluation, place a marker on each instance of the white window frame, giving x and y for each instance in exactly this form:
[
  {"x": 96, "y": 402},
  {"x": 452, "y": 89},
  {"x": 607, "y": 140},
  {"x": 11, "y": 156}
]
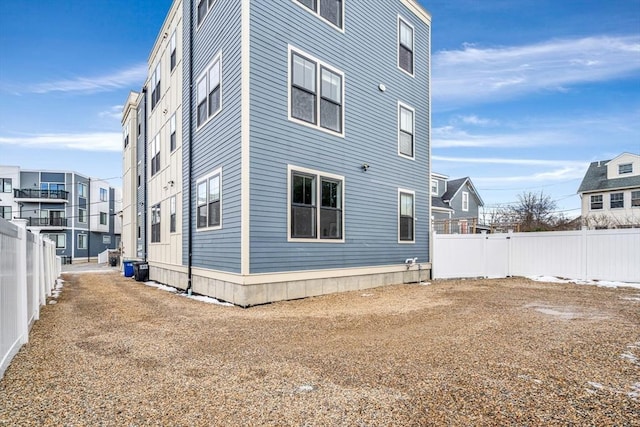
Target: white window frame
[
  {"x": 106, "y": 218},
  {"x": 104, "y": 195},
  {"x": 635, "y": 199},
  {"x": 398, "y": 205},
  {"x": 125, "y": 135},
  {"x": 205, "y": 75},
  {"x": 318, "y": 175},
  {"x": 434, "y": 184},
  {"x": 628, "y": 168},
  {"x": 591, "y": 202},
  {"x": 6, "y": 185},
  {"x": 4, "y": 210},
  {"x": 57, "y": 237},
  {"x": 173, "y": 52},
  {"x": 154, "y": 155},
  {"x": 82, "y": 215},
  {"x": 611, "y": 200},
  {"x": 156, "y": 220},
  {"x": 82, "y": 190},
  {"x": 155, "y": 86},
  {"x": 413, "y": 47},
  {"x": 401, "y": 106},
  {"x": 173, "y": 136},
  {"x": 322, "y": 18},
  {"x": 206, "y": 179},
  {"x": 318, "y": 82},
  {"x": 82, "y": 241},
  {"x": 173, "y": 218},
  {"x": 209, "y": 5},
  {"x": 465, "y": 201}
]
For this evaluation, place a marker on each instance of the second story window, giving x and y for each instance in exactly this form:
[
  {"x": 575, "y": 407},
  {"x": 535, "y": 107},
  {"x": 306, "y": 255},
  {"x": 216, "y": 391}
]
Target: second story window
[
  {"x": 316, "y": 93},
  {"x": 405, "y": 46},
  {"x": 172, "y": 214},
  {"x": 172, "y": 49},
  {"x": 155, "y": 223},
  {"x": 103, "y": 218},
  {"x": 5, "y": 185},
  {"x": 103, "y": 195},
  {"x": 617, "y": 200},
  {"x": 155, "y": 86},
  {"x": 635, "y": 199},
  {"x": 405, "y": 130},
  {"x": 208, "y": 91},
  {"x": 330, "y": 10},
  {"x": 434, "y": 187},
  {"x": 596, "y": 202},
  {"x": 465, "y": 201}
]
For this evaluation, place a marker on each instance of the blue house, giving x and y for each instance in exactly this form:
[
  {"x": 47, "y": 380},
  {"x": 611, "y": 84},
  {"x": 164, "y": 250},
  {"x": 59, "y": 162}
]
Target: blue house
[
  {"x": 455, "y": 205},
  {"x": 288, "y": 144}
]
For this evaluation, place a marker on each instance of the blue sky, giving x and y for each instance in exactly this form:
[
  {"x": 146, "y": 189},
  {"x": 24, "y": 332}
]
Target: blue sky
[{"x": 524, "y": 93}]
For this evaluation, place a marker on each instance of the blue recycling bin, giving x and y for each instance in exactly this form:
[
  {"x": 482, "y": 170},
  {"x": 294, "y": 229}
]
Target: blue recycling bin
[{"x": 128, "y": 268}]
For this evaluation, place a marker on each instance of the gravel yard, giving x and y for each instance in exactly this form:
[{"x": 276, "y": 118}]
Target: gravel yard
[{"x": 114, "y": 352}]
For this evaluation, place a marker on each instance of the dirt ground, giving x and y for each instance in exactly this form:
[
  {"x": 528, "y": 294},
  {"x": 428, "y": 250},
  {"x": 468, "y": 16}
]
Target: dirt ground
[{"x": 114, "y": 352}]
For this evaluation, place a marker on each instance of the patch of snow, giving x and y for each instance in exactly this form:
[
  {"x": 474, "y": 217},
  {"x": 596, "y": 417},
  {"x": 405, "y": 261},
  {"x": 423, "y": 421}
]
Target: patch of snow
[
  {"x": 563, "y": 314},
  {"x": 424, "y": 283},
  {"x": 595, "y": 385},
  {"x": 635, "y": 391},
  {"x": 161, "y": 287},
  {"x": 601, "y": 283},
  {"x": 306, "y": 387},
  {"x": 53, "y": 302},
  {"x": 367, "y": 295},
  {"x": 528, "y": 378},
  {"x": 200, "y": 298},
  {"x": 630, "y": 357}
]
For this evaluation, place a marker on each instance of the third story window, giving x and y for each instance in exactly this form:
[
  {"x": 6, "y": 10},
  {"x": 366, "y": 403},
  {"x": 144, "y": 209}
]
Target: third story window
[
  {"x": 331, "y": 10},
  {"x": 208, "y": 91},
  {"x": 406, "y": 217},
  {"x": 617, "y": 200},
  {"x": 625, "y": 168},
  {"x": 308, "y": 220},
  {"x": 406, "y": 131},
  {"x": 316, "y": 93},
  {"x": 405, "y": 46},
  {"x": 209, "y": 195},
  {"x": 154, "y": 148}
]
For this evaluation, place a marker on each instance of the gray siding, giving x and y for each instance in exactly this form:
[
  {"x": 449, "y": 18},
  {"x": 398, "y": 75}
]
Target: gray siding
[
  {"x": 141, "y": 177},
  {"x": 367, "y": 55},
  {"x": 217, "y": 144},
  {"x": 456, "y": 204}
]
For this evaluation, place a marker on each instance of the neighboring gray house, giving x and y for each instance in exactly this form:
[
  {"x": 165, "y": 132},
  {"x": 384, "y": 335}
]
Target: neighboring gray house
[
  {"x": 288, "y": 143},
  {"x": 455, "y": 205},
  {"x": 610, "y": 192},
  {"x": 75, "y": 211}
]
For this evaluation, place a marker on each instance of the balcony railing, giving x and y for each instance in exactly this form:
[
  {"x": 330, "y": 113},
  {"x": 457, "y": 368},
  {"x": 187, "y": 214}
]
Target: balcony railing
[
  {"x": 29, "y": 193},
  {"x": 46, "y": 222}
]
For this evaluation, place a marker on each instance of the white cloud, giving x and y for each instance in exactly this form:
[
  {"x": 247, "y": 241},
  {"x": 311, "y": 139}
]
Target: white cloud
[
  {"x": 505, "y": 161},
  {"x": 114, "y": 112},
  {"x": 133, "y": 76},
  {"x": 450, "y": 136},
  {"x": 475, "y": 120},
  {"x": 488, "y": 74},
  {"x": 106, "y": 141},
  {"x": 561, "y": 174}
]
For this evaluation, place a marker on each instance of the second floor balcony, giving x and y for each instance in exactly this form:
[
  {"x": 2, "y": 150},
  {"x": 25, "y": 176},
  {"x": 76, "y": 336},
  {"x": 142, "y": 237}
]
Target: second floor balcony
[
  {"x": 46, "y": 222},
  {"x": 33, "y": 194}
]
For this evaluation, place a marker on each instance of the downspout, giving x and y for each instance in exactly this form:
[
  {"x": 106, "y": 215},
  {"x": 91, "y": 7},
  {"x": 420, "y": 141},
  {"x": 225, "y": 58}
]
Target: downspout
[
  {"x": 190, "y": 155},
  {"x": 144, "y": 171}
]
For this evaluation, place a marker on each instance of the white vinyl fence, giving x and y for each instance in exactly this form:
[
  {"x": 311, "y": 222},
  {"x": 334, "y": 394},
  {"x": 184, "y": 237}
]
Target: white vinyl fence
[
  {"x": 612, "y": 255},
  {"x": 28, "y": 271}
]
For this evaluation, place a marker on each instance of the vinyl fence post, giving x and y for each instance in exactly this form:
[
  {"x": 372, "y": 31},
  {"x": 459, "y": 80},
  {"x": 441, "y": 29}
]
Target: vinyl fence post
[
  {"x": 585, "y": 253},
  {"x": 22, "y": 324}
]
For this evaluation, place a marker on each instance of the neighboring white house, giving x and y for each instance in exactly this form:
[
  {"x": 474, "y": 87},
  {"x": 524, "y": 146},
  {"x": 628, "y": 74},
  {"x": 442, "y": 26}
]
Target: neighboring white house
[{"x": 610, "y": 192}]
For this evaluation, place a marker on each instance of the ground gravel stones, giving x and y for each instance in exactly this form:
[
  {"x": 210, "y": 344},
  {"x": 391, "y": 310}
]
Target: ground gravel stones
[{"x": 114, "y": 352}]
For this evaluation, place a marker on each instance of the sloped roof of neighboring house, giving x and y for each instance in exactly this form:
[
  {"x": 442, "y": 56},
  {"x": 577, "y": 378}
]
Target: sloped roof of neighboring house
[
  {"x": 596, "y": 179},
  {"x": 437, "y": 203},
  {"x": 454, "y": 185}
]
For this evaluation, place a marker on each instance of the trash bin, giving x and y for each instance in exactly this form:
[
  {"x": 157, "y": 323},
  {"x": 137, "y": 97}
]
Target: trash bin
[
  {"x": 141, "y": 271},
  {"x": 128, "y": 268},
  {"x": 113, "y": 261}
]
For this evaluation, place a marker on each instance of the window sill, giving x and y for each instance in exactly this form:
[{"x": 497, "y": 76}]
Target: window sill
[{"x": 307, "y": 240}]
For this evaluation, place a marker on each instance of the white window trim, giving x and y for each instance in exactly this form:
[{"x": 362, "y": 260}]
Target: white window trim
[
  {"x": 590, "y": 202},
  {"x": 85, "y": 241},
  {"x": 173, "y": 204},
  {"x": 322, "y": 18},
  {"x": 610, "y": 201},
  {"x": 413, "y": 111},
  {"x": 319, "y": 63},
  {"x": 413, "y": 193},
  {"x": 465, "y": 194},
  {"x": 204, "y": 18},
  {"x": 173, "y": 123},
  {"x": 198, "y": 181},
  {"x": 80, "y": 221},
  {"x": 205, "y": 74},
  {"x": 406, "y": 21},
  {"x": 173, "y": 39},
  {"x": 434, "y": 181},
  {"x": 319, "y": 174},
  {"x": 625, "y": 173},
  {"x": 82, "y": 185}
]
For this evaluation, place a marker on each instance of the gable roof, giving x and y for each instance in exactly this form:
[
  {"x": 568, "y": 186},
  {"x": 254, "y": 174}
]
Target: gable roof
[
  {"x": 596, "y": 179},
  {"x": 437, "y": 203},
  {"x": 454, "y": 185}
]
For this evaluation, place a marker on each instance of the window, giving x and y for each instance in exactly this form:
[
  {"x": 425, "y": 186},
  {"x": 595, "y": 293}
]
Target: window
[
  {"x": 155, "y": 85},
  {"x": 625, "y": 168},
  {"x": 172, "y": 214},
  {"x": 330, "y": 10},
  {"x": 406, "y": 216},
  {"x": 138, "y": 226},
  {"x": 155, "y": 223},
  {"x": 203, "y": 7},
  {"x": 596, "y": 202},
  {"x": 316, "y": 93},
  {"x": 82, "y": 190},
  {"x": 103, "y": 195},
  {"x": 434, "y": 186},
  {"x": 306, "y": 220},
  {"x": 5, "y": 185},
  {"x": 103, "y": 218},
  {"x": 5, "y": 212},
  {"x": 172, "y": 132},
  {"x": 82, "y": 215},
  {"x": 209, "y": 192},
  {"x": 154, "y": 150},
  {"x": 59, "y": 239},
  {"x": 208, "y": 91},
  {"x": 82, "y": 241},
  {"x": 617, "y": 200},
  {"x": 172, "y": 49},
  {"x": 405, "y": 130},
  {"x": 125, "y": 135},
  {"x": 405, "y": 46},
  {"x": 465, "y": 201}
]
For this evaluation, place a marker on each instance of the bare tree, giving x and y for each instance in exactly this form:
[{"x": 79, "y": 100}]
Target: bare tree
[{"x": 534, "y": 211}]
